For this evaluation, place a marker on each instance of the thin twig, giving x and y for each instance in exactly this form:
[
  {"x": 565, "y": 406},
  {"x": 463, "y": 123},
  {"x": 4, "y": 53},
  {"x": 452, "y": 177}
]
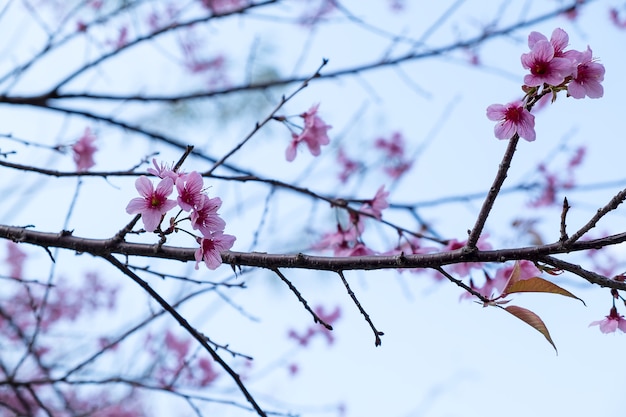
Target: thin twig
[
  {"x": 611, "y": 205},
  {"x": 461, "y": 284},
  {"x": 503, "y": 168},
  {"x": 190, "y": 329},
  {"x": 377, "y": 333},
  {"x": 566, "y": 208},
  {"x": 294, "y": 290}
]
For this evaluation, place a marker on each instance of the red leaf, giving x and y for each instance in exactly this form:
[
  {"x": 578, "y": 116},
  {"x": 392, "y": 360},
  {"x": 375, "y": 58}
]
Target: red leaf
[{"x": 532, "y": 320}]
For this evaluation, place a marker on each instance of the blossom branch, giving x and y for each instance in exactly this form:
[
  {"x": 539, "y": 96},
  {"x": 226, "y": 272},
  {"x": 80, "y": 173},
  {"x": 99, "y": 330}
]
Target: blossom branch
[
  {"x": 258, "y": 126},
  {"x": 106, "y": 247},
  {"x": 388, "y": 62}
]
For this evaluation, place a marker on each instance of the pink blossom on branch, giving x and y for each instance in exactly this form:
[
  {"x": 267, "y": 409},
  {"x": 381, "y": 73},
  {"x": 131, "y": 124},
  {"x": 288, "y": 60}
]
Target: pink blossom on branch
[
  {"x": 205, "y": 218},
  {"x": 395, "y": 163},
  {"x": 376, "y": 205},
  {"x": 314, "y": 134},
  {"x": 152, "y": 204},
  {"x": 586, "y": 81},
  {"x": 163, "y": 171},
  {"x": 611, "y": 323},
  {"x": 544, "y": 66},
  {"x": 512, "y": 118},
  {"x": 83, "y": 151},
  {"x": 210, "y": 248},
  {"x": 189, "y": 187}
]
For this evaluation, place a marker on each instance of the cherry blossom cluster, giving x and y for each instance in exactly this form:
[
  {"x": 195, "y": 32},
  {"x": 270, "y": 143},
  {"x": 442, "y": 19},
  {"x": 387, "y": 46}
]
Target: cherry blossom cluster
[
  {"x": 393, "y": 159},
  {"x": 551, "y": 69},
  {"x": 314, "y": 134},
  {"x": 83, "y": 150},
  {"x": 192, "y": 198},
  {"x": 347, "y": 240}
]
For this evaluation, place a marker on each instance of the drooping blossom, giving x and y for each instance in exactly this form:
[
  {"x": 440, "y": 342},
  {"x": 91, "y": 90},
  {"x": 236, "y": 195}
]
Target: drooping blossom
[
  {"x": 152, "y": 204},
  {"x": 204, "y": 217},
  {"x": 586, "y": 81},
  {"x": 189, "y": 187},
  {"x": 512, "y": 118},
  {"x": 210, "y": 248},
  {"x": 611, "y": 323},
  {"x": 83, "y": 150},
  {"x": 544, "y": 66},
  {"x": 376, "y": 205},
  {"x": 314, "y": 134}
]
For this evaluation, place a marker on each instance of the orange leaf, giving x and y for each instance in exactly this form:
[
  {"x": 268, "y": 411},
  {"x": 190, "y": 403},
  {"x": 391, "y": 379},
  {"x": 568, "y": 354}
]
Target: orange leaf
[
  {"x": 532, "y": 320},
  {"x": 515, "y": 274},
  {"x": 537, "y": 284}
]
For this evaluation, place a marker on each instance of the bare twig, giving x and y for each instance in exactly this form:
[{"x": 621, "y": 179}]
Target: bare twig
[
  {"x": 294, "y": 290},
  {"x": 611, "y": 205},
  {"x": 190, "y": 329},
  {"x": 566, "y": 208},
  {"x": 377, "y": 333},
  {"x": 503, "y": 168}
]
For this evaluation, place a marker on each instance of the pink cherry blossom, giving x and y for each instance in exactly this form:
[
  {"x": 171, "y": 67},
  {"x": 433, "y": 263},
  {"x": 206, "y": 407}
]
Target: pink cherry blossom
[
  {"x": 83, "y": 151},
  {"x": 189, "y": 188},
  {"x": 611, "y": 323},
  {"x": 152, "y": 204},
  {"x": 544, "y": 66},
  {"x": 328, "y": 318},
  {"x": 463, "y": 269},
  {"x": 512, "y": 118},
  {"x": 15, "y": 259},
  {"x": 210, "y": 248},
  {"x": 614, "y": 16},
  {"x": 559, "y": 41},
  {"x": 163, "y": 171},
  {"x": 376, "y": 205},
  {"x": 223, "y": 6},
  {"x": 205, "y": 218},
  {"x": 314, "y": 134},
  {"x": 394, "y": 147},
  {"x": 349, "y": 166},
  {"x": 179, "y": 347},
  {"x": 586, "y": 82}
]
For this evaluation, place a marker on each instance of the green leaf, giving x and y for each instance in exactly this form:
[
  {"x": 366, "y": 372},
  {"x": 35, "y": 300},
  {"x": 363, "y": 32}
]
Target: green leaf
[
  {"x": 532, "y": 320},
  {"x": 537, "y": 284}
]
